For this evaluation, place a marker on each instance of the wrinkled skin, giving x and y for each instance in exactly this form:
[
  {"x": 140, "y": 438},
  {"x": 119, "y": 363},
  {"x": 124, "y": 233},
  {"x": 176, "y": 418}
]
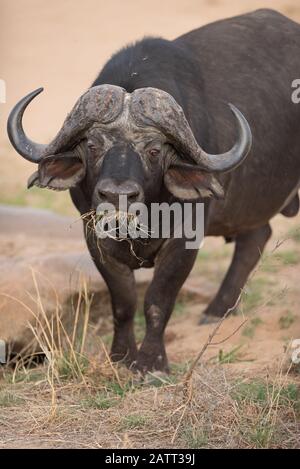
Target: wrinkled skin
[
  {"x": 107, "y": 150},
  {"x": 153, "y": 154}
]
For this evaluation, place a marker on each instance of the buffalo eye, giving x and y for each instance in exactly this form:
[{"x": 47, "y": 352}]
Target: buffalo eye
[{"x": 154, "y": 152}]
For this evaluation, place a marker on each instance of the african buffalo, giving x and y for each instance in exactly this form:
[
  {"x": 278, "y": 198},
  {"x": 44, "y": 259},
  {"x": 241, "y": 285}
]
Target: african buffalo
[{"x": 154, "y": 126}]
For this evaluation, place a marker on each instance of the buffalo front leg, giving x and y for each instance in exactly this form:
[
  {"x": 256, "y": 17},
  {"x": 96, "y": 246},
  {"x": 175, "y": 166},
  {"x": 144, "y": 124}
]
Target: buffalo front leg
[
  {"x": 248, "y": 249},
  {"x": 121, "y": 284},
  {"x": 172, "y": 267}
]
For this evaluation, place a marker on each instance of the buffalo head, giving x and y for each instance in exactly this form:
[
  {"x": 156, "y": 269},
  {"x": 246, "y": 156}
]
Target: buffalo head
[{"x": 131, "y": 144}]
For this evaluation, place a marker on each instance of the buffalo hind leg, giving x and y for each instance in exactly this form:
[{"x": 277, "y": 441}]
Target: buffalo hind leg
[{"x": 248, "y": 249}]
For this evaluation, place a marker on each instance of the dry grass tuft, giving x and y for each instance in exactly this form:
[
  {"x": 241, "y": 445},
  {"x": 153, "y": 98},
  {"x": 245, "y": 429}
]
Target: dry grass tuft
[{"x": 224, "y": 411}]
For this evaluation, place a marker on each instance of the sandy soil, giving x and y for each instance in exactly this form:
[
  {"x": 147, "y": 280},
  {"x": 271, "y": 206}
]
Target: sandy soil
[{"x": 261, "y": 331}]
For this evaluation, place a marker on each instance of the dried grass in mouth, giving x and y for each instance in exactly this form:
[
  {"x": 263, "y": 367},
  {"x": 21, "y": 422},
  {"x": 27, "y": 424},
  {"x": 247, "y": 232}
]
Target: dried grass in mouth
[{"x": 118, "y": 225}]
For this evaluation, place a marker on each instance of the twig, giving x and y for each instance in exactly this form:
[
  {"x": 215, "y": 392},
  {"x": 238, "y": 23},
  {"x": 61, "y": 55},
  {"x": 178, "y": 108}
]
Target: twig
[
  {"x": 230, "y": 335},
  {"x": 209, "y": 340}
]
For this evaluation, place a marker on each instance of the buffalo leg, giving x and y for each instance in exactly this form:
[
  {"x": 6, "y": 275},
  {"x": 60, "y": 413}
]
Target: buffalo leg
[
  {"x": 172, "y": 268},
  {"x": 248, "y": 249},
  {"x": 121, "y": 284}
]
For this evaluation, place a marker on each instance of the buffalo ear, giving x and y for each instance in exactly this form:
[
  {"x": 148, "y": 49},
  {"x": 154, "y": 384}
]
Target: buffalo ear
[
  {"x": 188, "y": 182},
  {"x": 59, "y": 172}
]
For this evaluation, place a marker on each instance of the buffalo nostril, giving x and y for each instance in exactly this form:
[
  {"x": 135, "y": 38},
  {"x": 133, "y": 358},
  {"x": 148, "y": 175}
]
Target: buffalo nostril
[{"x": 118, "y": 194}]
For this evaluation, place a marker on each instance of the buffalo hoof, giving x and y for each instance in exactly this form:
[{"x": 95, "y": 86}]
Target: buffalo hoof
[
  {"x": 214, "y": 312},
  {"x": 152, "y": 362},
  {"x": 145, "y": 369},
  {"x": 126, "y": 356}
]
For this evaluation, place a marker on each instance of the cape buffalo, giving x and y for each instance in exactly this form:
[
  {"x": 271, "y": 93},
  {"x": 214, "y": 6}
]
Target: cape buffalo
[{"x": 154, "y": 126}]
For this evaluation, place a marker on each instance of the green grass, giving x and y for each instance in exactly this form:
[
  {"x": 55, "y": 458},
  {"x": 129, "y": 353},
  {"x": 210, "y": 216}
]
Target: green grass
[
  {"x": 232, "y": 356},
  {"x": 272, "y": 263},
  {"x": 286, "y": 320},
  {"x": 23, "y": 375},
  {"x": 180, "y": 368},
  {"x": 261, "y": 392},
  {"x": 116, "y": 389},
  {"x": 195, "y": 438},
  {"x": 134, "y": 421},
  {"x": 70, "y": 366},
  {"x": 39, "y": 198},
  {"x": 99, "y": 401},
  {"x": 177, "y": 370},
  {"x": 260, "y": 434},
  {"x": 268, "y": 263},
  {"x": 252, "y": 296},
  {"x": 294, "y": 234},
  {"x": 288, "y": 257},
  {"x": 254, "y": 293},
  {"x": 112, "y": 392},
  {"x": 139, "y": 325},
  {"x": 254, "y": 391},
  {"x": 249, "y": 330},
  {"x": 203, "y": 255},
  {"x": 160, "y": 381},
  {"x": 107, "y": 339},
  {"x": 179, "y": 309},
  {"x": 7, "y": 399},
  {"x": 265, "y": 400}
]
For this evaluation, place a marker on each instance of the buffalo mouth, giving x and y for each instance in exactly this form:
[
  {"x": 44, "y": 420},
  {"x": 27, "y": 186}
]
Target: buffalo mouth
[{"x": 117, "y": 225}]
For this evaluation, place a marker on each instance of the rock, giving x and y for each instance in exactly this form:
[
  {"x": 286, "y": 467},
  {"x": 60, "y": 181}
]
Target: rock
[{"x": 43, "y": 265}]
